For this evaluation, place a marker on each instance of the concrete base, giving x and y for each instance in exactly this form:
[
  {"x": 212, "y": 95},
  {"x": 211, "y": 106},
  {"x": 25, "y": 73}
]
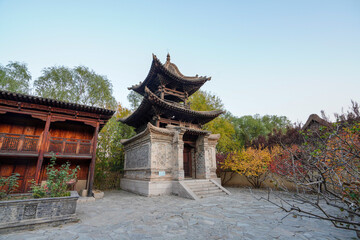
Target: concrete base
[
  {"x": 157, "y": 188},
  {"x": 146, "y": 188}
]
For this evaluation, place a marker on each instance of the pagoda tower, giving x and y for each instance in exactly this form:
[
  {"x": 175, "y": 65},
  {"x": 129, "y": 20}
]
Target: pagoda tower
[{"x": 170, "y": 145}]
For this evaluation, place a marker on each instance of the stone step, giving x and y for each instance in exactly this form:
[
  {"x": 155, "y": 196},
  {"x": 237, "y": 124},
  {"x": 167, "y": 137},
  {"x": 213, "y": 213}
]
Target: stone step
[
  {"x": 194, "y": 189},
  {"x": 212, "y": 195},
  {"x": 203, "y": 192},
  {"x": 204, "y": 188},
  {"x": 200, "y": 185},
  {"x": 196, "y": 180}
]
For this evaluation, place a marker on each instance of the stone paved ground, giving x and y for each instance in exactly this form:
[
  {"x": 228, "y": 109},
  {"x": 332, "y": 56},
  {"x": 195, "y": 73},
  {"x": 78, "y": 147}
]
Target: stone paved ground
[{"x": 122, "y": 215}]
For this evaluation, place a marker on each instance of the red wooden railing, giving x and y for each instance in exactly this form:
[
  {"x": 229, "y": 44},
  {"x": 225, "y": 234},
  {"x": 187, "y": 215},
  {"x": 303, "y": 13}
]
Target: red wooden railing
[
  {"x": 30, "y": 143},
  {"x": 69, "y": 146},
  {"x": 19, "y": 142}
]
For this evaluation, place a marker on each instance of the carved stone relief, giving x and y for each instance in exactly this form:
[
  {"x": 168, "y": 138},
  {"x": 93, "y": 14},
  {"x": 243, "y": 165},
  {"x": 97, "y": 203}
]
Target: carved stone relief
[
  {"x": 138, "y": 157},
  {"x": 162, "y": 157},
  {"x": 30, "y": 211}
]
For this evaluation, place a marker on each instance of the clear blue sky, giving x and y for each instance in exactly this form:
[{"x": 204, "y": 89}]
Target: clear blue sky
[{"x": 289, "y": 58}]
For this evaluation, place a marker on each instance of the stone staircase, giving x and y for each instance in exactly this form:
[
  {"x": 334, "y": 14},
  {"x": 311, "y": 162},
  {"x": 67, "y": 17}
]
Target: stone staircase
[{"x": 206, "y": 188}]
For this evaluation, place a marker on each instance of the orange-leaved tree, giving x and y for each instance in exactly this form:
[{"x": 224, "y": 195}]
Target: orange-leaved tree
[
  {"x": 251, "y": 163},
  {"x": 326, "y": 164}
]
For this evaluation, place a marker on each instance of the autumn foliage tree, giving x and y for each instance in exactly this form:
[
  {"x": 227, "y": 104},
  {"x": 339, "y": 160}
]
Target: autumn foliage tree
[
  {"x": 251, "y": 163},
  {"x": 325, "y": 168}
]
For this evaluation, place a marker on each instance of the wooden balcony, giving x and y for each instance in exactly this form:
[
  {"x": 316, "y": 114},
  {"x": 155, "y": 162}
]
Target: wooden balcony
[
  {"x": 19, "y": 143},
  {"x": 69, "y": 147},
  {"x": 29, "y": 145}
]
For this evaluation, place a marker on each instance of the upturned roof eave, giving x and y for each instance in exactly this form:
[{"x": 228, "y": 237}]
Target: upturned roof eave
[
  {"x": 152, "y": 100},
  {"x": 158, "y": 67}
]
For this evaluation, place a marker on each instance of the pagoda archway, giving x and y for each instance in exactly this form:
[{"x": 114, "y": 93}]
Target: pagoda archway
[{"x": 189, "y": 153}]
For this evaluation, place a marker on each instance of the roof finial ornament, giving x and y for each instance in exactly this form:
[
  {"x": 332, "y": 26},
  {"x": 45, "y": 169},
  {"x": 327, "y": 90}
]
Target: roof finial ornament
[{"x": 168, "y": 57}]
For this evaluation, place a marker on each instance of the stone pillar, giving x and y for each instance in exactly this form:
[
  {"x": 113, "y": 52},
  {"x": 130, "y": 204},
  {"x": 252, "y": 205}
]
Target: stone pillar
[
  {"x": 212, "y": 142},
  {"x": 178, "y": 153},
  {"x": 193, "y": 163},
  {"x": 202, "y": 168},
  {"x": 206, "y": 156}
]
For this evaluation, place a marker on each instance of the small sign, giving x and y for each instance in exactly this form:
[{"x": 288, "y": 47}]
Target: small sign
[{"x": 161, "y": 173}]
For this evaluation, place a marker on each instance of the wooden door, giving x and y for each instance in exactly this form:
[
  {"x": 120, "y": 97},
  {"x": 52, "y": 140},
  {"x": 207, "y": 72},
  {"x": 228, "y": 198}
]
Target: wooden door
[
  {"x": 24, "y": 167},
  {"x": 187, "y": 161}
]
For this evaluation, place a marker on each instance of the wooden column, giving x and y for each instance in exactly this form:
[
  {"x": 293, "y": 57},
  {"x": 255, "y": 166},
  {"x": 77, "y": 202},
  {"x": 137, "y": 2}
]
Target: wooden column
[
  {"x": 42, "y": 149},
  {"x": 157, "y": 121},
  {"x": 162, "y": 95},
  {"x": 92, "y": 163}
]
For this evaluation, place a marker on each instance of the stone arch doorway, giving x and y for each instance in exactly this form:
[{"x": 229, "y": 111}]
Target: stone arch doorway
[
  {"x": 189, "y": 155},
  {"x": 188, "y": 161}
]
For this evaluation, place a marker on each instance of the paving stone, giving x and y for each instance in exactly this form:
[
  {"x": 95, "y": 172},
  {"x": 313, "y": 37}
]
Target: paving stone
[{"x": 123, "y": 215}]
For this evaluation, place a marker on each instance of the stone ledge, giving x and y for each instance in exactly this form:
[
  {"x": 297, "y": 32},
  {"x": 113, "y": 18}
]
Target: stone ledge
[{"x": 19, "y": 214}]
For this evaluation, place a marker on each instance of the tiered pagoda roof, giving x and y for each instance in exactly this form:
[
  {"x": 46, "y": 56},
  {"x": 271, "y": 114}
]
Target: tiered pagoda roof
[
  {"x": 165, "y": 91},
  {"x": 169, "y": 75},
  {"x": 152, "y": 105}
]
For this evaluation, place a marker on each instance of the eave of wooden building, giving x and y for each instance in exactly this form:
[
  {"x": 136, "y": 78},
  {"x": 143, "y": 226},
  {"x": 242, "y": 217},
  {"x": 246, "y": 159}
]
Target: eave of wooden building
[
  {"x": 54, "y": 104},
  {"x": 315, "y": 119},
  {"x": 40, "y": 108}
]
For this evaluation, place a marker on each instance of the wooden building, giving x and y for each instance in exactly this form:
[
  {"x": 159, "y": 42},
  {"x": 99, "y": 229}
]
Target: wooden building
[
  {"x": 170, "y": 145},
  {"x": 32, "y": 128},
  {"x": 314, "y": 122}
]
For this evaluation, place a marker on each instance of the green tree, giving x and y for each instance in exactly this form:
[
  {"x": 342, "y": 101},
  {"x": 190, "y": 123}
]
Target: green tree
[
  {"x": 110, "y": 151},
  {"x": 248, "y": 128},
  {"x": 15, "y": 77},
  {"x": 79, "y": 85},
  {"x": 205, "y": 101},
  {"x": 134, "y": 99}
]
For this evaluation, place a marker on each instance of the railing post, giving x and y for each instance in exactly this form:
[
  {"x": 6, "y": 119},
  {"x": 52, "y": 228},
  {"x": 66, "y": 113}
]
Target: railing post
[
  {"x": 42, "y": 149},
  {"x": 92, "y": 163},
  {"x": 63, "y": 145},
  {"x": 78, "y": 146},
  {"x": 2, "y": 136},
  {"x": 21, "y": 142}
]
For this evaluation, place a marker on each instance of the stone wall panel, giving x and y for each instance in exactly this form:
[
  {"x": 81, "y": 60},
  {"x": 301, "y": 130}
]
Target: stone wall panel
[{"x": 138, "y": 157}]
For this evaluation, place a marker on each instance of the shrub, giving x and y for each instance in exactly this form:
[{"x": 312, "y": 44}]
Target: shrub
[
  {"x": 8, "y": 185},
  {"x": 56, "y": 183}
]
